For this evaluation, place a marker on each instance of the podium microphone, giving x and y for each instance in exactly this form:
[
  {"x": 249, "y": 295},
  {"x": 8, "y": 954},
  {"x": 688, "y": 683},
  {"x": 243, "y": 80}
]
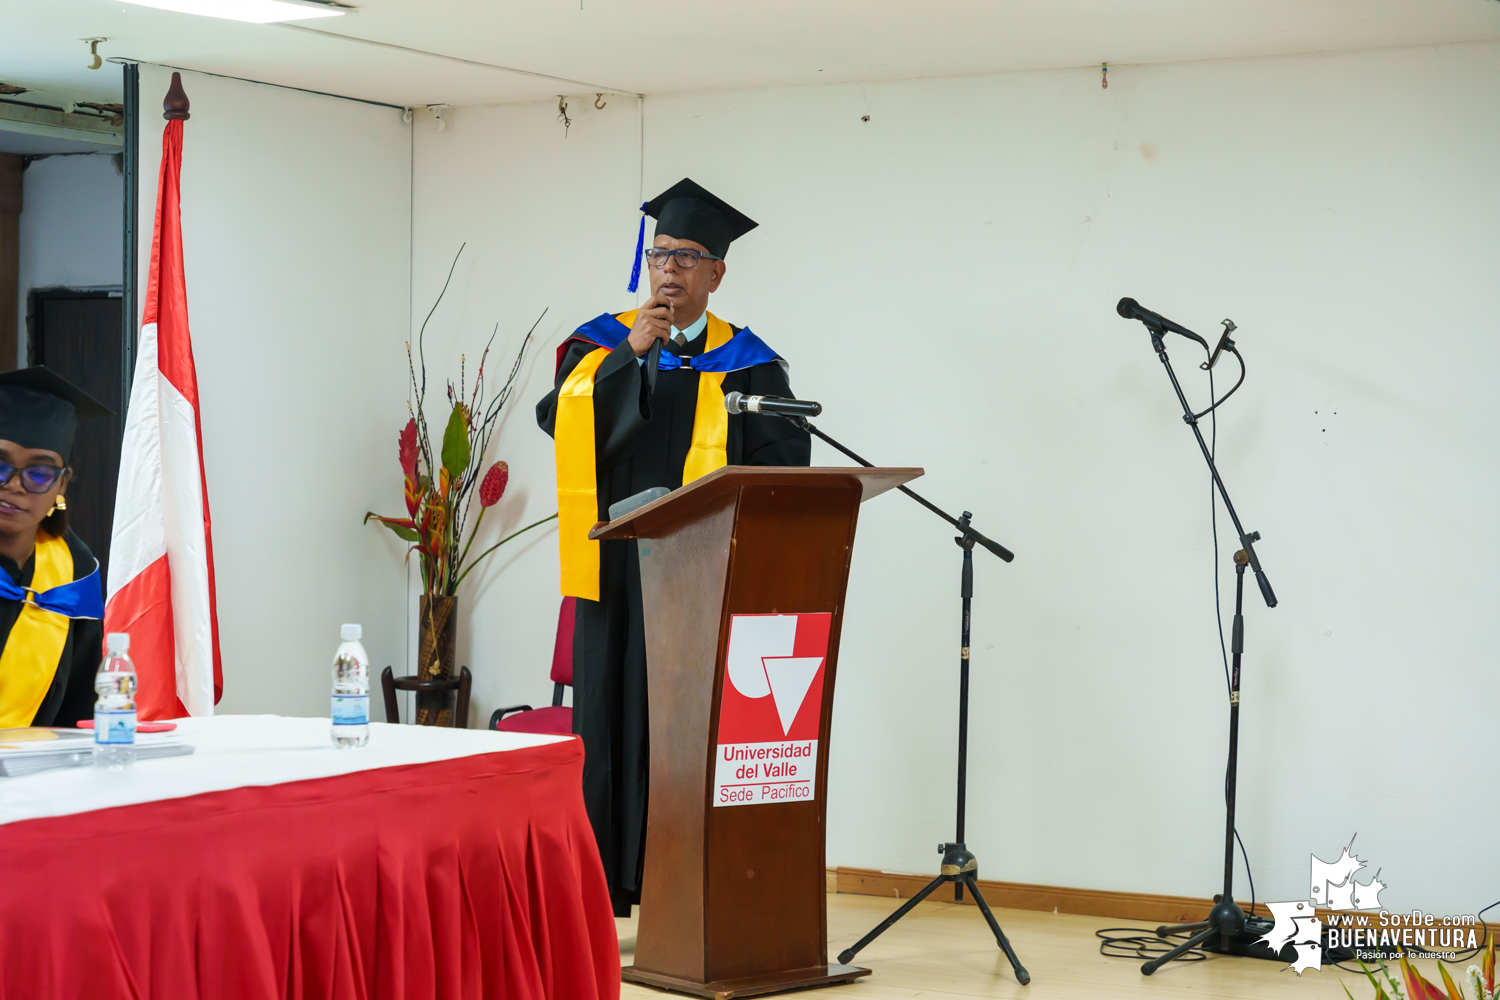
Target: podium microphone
[{"x": 738, "y": 402}]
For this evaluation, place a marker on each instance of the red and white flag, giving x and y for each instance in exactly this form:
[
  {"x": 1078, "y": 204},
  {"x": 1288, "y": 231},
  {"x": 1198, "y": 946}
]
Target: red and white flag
[{"x": 161, "y": 559}]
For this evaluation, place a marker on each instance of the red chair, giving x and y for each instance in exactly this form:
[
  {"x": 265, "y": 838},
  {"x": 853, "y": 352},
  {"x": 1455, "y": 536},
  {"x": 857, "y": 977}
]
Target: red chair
[{"x": 554, "y": 719}]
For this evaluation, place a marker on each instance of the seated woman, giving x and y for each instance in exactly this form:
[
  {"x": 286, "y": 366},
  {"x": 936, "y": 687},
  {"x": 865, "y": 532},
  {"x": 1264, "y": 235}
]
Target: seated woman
[{"x": 51, "y": 597}]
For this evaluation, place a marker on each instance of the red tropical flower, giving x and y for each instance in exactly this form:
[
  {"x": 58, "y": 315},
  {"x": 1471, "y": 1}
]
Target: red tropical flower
[
  {"x": 407, "y": 450},
  {"x": 493, "y": 487},
  {"x": 439, "y": 476}
]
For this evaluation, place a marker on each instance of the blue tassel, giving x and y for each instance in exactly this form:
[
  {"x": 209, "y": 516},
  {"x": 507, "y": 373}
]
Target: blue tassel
[{"x": 640, "y": 248}]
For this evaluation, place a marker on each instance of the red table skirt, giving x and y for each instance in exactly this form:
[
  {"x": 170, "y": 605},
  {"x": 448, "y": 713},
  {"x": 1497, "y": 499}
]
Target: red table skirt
[{"x": 465, "y": 878}]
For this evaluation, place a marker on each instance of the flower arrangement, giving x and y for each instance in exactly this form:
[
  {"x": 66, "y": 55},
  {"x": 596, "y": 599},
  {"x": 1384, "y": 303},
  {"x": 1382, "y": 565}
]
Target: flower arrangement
[
  {"x": 439, "y": 481},
  {"x": 1414, "y": 986}
]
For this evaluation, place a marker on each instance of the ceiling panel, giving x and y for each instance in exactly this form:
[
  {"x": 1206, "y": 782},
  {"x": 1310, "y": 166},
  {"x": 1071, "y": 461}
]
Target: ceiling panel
[
  {"x": 45, "y": 145},
  {"x": 681, "y": 45}
]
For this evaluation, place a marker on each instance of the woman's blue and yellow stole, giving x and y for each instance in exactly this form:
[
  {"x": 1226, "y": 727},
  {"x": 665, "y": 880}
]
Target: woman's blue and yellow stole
[
  {"x": 37, "y": 639},
  {"x": 573, "y": 432}
]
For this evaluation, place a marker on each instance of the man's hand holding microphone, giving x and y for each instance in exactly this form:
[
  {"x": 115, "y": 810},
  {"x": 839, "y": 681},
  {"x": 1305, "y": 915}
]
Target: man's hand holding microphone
[{"x": 653, "y": 325}]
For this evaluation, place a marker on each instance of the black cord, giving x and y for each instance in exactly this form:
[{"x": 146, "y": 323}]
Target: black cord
[
  {"x": 1199, "y": 415},
  {"x": 1248, "y": 874},
  {"x": 1129, "y": 942},
  {"x": 1213, "y": 520}
]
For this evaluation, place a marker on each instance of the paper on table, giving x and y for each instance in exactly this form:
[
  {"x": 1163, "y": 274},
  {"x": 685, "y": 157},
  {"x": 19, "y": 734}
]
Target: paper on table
[
  {"x": 80, "y": 756},
  {"x": 40, "y": 739}
]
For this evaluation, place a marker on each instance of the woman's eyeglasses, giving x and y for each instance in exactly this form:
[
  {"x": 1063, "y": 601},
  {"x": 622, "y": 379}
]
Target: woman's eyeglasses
[
  {"x": 686, "y": 259},
  {"x": 34, "y": 478}
]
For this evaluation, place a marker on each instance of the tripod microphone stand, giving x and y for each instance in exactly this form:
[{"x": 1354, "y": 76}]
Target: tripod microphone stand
[
  {"x": 959, "y": 865},
  {"x": 1226, "y": 920}
]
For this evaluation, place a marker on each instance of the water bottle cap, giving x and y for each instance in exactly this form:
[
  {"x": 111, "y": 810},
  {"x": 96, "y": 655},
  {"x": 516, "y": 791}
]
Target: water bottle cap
[
  {"x": 351, "y": 633},
  {"x": 118, "y": 642}
]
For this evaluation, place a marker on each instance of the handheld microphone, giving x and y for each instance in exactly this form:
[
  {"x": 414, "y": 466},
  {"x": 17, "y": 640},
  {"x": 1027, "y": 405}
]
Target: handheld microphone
[
  {"x": 1131, "y": 309},
  {"x": 738, "y": 402},
  {"x": 653, "y": 353}
]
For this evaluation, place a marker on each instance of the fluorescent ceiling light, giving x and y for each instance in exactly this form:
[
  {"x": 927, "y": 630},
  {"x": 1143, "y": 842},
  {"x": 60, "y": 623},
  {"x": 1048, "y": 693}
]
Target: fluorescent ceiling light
[{"x": 254, "y": 11}]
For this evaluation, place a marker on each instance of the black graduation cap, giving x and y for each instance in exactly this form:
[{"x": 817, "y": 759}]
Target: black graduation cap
[
  {"x": 689, "y": 211},
  {"x": 41, "y": 409}
]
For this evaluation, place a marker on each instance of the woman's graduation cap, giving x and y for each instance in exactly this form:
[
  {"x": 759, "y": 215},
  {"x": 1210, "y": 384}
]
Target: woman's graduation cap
[
  {"x": 41, "y": 409},
  {"x": 689, "y": 211}
]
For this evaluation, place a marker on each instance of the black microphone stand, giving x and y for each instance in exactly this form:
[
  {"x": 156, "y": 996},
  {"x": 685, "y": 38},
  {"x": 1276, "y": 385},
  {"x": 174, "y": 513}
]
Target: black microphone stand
[
  {"x": 1226, "y": 920},
  {"x": 959, "y": 865}
]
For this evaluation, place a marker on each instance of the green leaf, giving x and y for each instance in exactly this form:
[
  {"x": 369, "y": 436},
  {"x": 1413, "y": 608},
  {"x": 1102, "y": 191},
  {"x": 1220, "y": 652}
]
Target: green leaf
[
  {"x": 456, "y": 443},
  {"x": 403, "y": 527},
  {"x": 1379, "y": 992},
  {"x": 1454, "y": 993}
]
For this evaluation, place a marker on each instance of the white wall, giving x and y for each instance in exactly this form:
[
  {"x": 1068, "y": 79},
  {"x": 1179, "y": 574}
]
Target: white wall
[
  {"x": 72, "y": 224},
  {"x": 295, "y": 218},
  {"x": 943, "y": 278},
  {"x": 546, "y": 218}
]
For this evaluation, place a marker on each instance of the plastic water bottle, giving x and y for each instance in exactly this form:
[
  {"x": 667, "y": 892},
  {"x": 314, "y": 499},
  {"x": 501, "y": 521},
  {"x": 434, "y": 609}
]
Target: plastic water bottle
[
  {"x": 114, "y": 712},
  {"x": 351, "y": 691}
]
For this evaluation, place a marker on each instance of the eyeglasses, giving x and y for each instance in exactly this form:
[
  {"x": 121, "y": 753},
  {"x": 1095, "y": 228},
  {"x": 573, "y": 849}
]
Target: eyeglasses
[
  {"x": 686, "y": 259},
  {"x": 34, "y": 478}
]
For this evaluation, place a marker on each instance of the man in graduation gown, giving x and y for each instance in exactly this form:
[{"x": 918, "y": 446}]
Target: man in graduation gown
[
  {"x": 620, "y": 427},
  {"x": 51, "y": 598}
]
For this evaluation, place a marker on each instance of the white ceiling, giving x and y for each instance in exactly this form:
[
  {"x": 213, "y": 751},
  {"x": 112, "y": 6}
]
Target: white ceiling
[{"x": 658, "y": 46}]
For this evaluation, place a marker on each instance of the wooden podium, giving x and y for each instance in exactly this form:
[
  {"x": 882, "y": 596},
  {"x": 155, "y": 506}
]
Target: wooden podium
[{"x": 743, "y": 574}]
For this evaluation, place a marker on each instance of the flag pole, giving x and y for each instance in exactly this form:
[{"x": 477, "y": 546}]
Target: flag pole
[{"x": 161, "y": 576}]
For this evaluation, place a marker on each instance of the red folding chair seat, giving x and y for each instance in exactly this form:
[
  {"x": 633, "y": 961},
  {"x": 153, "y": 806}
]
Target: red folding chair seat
[{"x": 556, "y": 718}]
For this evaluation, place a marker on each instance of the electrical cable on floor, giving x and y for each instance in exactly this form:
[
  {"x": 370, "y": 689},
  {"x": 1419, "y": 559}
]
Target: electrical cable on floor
[{"x": 1129, "y": 942}]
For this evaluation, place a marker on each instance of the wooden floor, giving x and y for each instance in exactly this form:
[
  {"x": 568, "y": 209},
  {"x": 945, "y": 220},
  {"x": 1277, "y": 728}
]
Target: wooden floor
[{"x": 944, "y": 951}]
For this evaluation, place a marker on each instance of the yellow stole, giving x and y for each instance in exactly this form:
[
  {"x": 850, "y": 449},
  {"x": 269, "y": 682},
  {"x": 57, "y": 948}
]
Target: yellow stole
[
  {"x": 35, "y": 645},
  {"x": 577, "y": 465}
]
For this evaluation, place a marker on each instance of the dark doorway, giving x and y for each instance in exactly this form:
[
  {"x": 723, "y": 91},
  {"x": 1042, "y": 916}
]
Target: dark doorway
[{"x": 78, "y": 335}]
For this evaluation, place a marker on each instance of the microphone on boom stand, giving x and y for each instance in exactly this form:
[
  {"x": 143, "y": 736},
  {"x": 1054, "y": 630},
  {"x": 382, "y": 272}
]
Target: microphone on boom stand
[
  {"x": 1159, "y": 324},
  {"x": 738, "y": 402},
  {"x": 1156, "y": 322},
  {"x": 959, "y": 866},
  {"x": 1227, "y": 928}
]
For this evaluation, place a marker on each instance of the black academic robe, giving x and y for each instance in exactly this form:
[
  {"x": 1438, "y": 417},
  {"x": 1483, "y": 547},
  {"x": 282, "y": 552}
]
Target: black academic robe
[
  {"x": 71, "y": 696},
  {"x": 642, "y": 434}
]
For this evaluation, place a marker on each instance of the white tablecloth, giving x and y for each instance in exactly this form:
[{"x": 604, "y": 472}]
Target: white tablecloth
[{"x": 234, "y": 751}]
